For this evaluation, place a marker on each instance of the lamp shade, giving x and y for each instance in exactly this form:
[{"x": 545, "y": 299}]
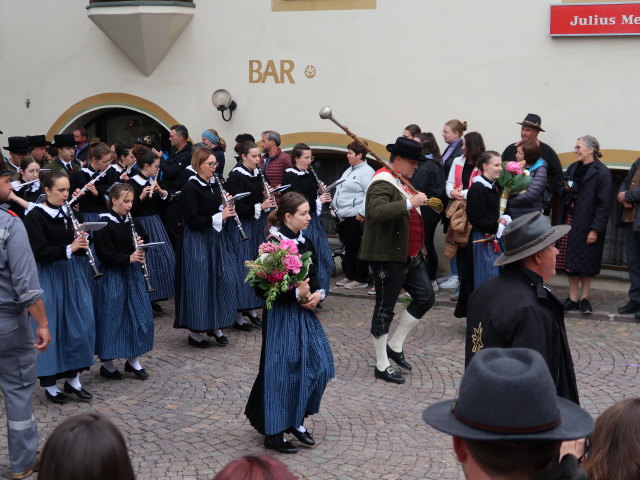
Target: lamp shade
[{"x": 221, "y": 99}]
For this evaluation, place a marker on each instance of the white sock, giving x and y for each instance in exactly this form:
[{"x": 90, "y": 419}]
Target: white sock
[
  {"x": 134, "y": 362},
  {"x": 196, "y": 336},
  {"x": 75, "y": 381},
  {"x": 405, "y": 325},
  {"x": 109, "y": 366},
  {"x": 380, "y": 344},
  {"x": 240, "y": 319},
  {"x": 301, "y": 429},
  {"x": 54, "y": 390},
  {"x": 218, "y": 333},
  {"x": 253, "y": 313}
]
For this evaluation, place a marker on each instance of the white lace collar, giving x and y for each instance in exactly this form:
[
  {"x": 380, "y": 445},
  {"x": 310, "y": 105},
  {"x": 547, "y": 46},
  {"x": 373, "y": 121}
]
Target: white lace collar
[
  {"x": 244, "y": 171},
  {"x": 89, "y": 171},
  {"x": 52, "y": 212},
  {"x": 275, "y": 231},
  {"x": 200, "y": 182},
  {"x": 297, "y": 172},
  {"x": 118, "y": 168},
  {"x": 140, "y": 181},
  {"x": 483, "y": 181},
  {"x": 113, "y": 218}
]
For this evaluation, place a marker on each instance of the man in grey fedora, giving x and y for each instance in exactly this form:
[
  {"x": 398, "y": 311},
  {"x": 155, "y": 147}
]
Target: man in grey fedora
[
  {"x": 515, "y": 309},
  {"x": 508, "y": 423}
]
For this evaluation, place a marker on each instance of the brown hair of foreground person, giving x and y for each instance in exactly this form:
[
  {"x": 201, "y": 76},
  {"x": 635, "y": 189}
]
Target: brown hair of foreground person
[{"x": 261, "y": 467}]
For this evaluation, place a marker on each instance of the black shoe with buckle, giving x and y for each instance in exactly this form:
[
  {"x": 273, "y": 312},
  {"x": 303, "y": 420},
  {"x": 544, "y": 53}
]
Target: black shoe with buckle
[
  {"x": 200, "y": 344},
  {"x": 141, "y": 373},
  {"x": 398, "y": 357},
  {"x": 257, "y": 321},
  {"x": 115, "y": 375},
  {"x": 59, "y": 398},
  {"x": 585, "y": 306},
  {"x": 278, "y": 443},
  {"x": 631, "y": 307},
  {"x": 389, "y": 375},
  {"x": 81, "y": 393},
  {"x": 303, "y": 437},
  {"x": 245, "y": 327},
  {"x": 221, "y": 339}
]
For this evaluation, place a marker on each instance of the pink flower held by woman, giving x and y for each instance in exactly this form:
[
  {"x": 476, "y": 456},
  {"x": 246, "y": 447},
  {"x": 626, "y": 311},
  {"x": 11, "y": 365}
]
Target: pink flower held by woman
[
  {"x": 267, "y": 247},
  {"x": 292, "y": 263},
  {"x": 514, "y": 168},
  {"x": 289, "y": 244},
  {"x": 275, "y": 276}
]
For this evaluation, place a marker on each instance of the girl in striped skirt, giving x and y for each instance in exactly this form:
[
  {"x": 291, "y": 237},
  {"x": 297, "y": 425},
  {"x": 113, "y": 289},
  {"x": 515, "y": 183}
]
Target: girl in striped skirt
[
  {"x": 296, "y": 362},
  {"x": 148, "y": 199},
  {"x": 124, "y": 320},
  {"x": 209, "y": 278},
  {"x": 251, "y": 210},
  {"x": 62, "y": 266},
  {"x": 303, "y": 182}
]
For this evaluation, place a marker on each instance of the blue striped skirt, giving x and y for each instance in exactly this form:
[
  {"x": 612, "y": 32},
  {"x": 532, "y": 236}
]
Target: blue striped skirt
[
  {"x": 69, "y": 308},
  {"x": 483, "y": 258},
  {"x": 124, "y": 320},
  {"x": 247, "y": 250},
  {"x": 209, "y": 281},
  {"x": 295, "y": 366},
  {"x": 324, "y": 257},
  {"x": 161, "y": 260}
]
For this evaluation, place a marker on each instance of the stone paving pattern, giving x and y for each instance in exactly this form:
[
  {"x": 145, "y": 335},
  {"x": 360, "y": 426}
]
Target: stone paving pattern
[{"x": 187, "y": 421}]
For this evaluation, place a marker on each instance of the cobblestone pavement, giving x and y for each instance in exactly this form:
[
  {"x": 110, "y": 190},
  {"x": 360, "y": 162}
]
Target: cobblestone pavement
[{"x": 187, "y": 420}]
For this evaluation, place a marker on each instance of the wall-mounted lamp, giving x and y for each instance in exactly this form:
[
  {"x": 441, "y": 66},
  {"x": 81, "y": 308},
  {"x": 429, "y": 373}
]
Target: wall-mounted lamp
[{"x": 221, "y": 99}]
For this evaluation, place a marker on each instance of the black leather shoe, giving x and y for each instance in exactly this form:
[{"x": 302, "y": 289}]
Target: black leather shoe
[
  {"x": 59, "y": 398},
  {"x": 257, "y": 321},
  {"x": 199, "y": 344},
  {"x": 245, "y": 327},
  {"x": 156, "y": 307},
  {"x": 389, "y": 375},
  {"x": 141, "y": 373},
  {"x": 221, "y": 339},
  {"x": 398, "y": 357},
  {"x": 585, "y": 306},
  {"x": 278, "y": 443},
  {"x": 631, "y": 307},
  {"x": 637, "y": 315},
  {"x": 303, "y": 437},
  {"x": 81, "y": 393},
  {"x": 570, "y": 305},
  {"x": 110, "y": 375}
]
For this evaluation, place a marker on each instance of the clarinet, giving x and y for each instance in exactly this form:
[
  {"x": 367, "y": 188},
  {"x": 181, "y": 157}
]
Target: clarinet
[
  {"x": 226, "y": 202},
  {"x": 324, "y": 190},
  {"x": 90, "y": 182},
  {"x": 265, "y": 185},
  {"x": 151, "y": 179},
  {"x": 76, "y": 231},
  {"x": 136, "y": 239}
]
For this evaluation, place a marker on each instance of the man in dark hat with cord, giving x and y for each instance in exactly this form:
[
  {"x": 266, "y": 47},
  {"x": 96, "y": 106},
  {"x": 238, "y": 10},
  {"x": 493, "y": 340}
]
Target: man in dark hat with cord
[
  {"x": 515, "y": 309},
  {"x": 64, "y": 163},
  {"x": 20, "y": 296},
  {"x": 508, "y": 423},
  {"x": 531, "y": 128},
  {"x": 393, "y": 244},
  {"x": 39, "y": 144},
  {"x": 18, "y": 147}
]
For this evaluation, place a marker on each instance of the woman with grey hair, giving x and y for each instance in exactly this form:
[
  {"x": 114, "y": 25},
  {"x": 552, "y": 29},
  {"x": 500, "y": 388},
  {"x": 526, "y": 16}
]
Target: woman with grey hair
[{"x": 585, "y": 202}]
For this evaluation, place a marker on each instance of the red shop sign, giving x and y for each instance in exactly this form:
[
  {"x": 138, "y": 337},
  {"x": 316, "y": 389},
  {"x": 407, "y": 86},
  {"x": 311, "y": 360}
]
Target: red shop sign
[{"x": 591, "y": 19}]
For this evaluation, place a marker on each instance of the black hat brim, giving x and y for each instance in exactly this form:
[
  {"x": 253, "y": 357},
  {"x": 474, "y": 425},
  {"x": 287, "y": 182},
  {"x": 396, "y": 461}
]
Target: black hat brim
[
  {"x": 559, "y": 231},
  {"x": 19, "y": 151},
  {"x": 576, "y": 423},
  {"x": 391, "y": 147},
  {"x": 527, "y": 124}
]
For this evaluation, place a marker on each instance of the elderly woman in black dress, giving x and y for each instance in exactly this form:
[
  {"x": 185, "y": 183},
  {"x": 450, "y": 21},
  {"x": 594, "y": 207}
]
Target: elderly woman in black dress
[{"x": 586, "y": 199}]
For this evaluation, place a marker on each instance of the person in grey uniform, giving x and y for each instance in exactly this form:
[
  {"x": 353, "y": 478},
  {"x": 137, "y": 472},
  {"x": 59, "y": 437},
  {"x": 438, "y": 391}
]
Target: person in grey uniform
[{"x": 20, "y": 293}]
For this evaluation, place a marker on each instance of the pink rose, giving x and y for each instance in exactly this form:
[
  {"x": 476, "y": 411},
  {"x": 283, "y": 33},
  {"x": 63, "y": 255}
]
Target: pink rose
[
  {"x": 275, "y": 276},
  {"x": 289, "y": 244},
  {"x": 292, "y": 263},
  {"x": 514, "y": 168},
  {"x": 267, "y": 247}
]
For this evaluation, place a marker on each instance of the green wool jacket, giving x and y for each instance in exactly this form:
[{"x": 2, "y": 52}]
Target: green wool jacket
[
  {"x": 56, "y": 167},
  {"x": 386, "y": 225}
]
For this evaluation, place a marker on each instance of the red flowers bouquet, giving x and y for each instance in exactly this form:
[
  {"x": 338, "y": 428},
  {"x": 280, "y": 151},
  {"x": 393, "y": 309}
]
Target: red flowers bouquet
[
  {"x": 278, "y": 268},
  {"x": 513, "y": 179}
]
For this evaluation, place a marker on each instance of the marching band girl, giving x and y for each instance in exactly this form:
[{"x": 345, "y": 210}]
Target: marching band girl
[
  {"x": 93, "y": 202},
  {"x": 124, "y": 320},
  {"x": 296, "y": 361},
  {"x": 23, "y": 197},
  {"x": 209, "y": 278},
  {"x": 251, "y": 210},
  {"x": 125, "y": 160},
  {"x": 148, "y": 199},
  {"x": 304, "y": 183},
  {"x": 61, "y": 259}
]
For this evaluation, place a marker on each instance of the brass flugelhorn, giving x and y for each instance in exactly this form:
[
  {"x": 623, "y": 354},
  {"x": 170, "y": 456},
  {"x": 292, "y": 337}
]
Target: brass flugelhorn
[{"x": 433, "y": 202}]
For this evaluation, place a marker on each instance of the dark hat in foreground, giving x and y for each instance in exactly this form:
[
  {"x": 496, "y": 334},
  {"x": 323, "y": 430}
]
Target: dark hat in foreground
[
  {"x": 19, "y": 145},
  {"x": 407, "y": 148},
  {"x": 527, "y": 235},
  {"x": 38, "y": 141},
  {"x": 507, "y": 394},
  {"x": 4, "y": 170},
  {"x": 64, "y": 140},
  {"x": 532, "y": 120}
]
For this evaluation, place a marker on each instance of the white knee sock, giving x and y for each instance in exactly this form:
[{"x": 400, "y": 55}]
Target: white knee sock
[
  {"x": 134, "y": 362},
  {"x": 75, "y": 381},
  {"x": 196, "y": 336},
  {"x": 253, "y": 313},
  {"x": 54, "y": 390},
  {"x": 405, "y": 325},
  {"x": 380, "y": 344},
  {"x": 217, "y": 333},
  {"x": 240, "y": 319},
  {"x": 109, "y": 366}
]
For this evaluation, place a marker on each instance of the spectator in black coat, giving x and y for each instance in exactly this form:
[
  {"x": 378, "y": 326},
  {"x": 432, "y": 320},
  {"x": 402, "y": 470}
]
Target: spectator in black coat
[{"x": 586, "y": 199}]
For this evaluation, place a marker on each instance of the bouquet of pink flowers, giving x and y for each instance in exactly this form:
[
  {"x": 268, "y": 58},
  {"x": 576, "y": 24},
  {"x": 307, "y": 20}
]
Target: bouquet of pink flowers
[
  {"x": 278, "y": 268},
  {"x": 513, "y": 179}
]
